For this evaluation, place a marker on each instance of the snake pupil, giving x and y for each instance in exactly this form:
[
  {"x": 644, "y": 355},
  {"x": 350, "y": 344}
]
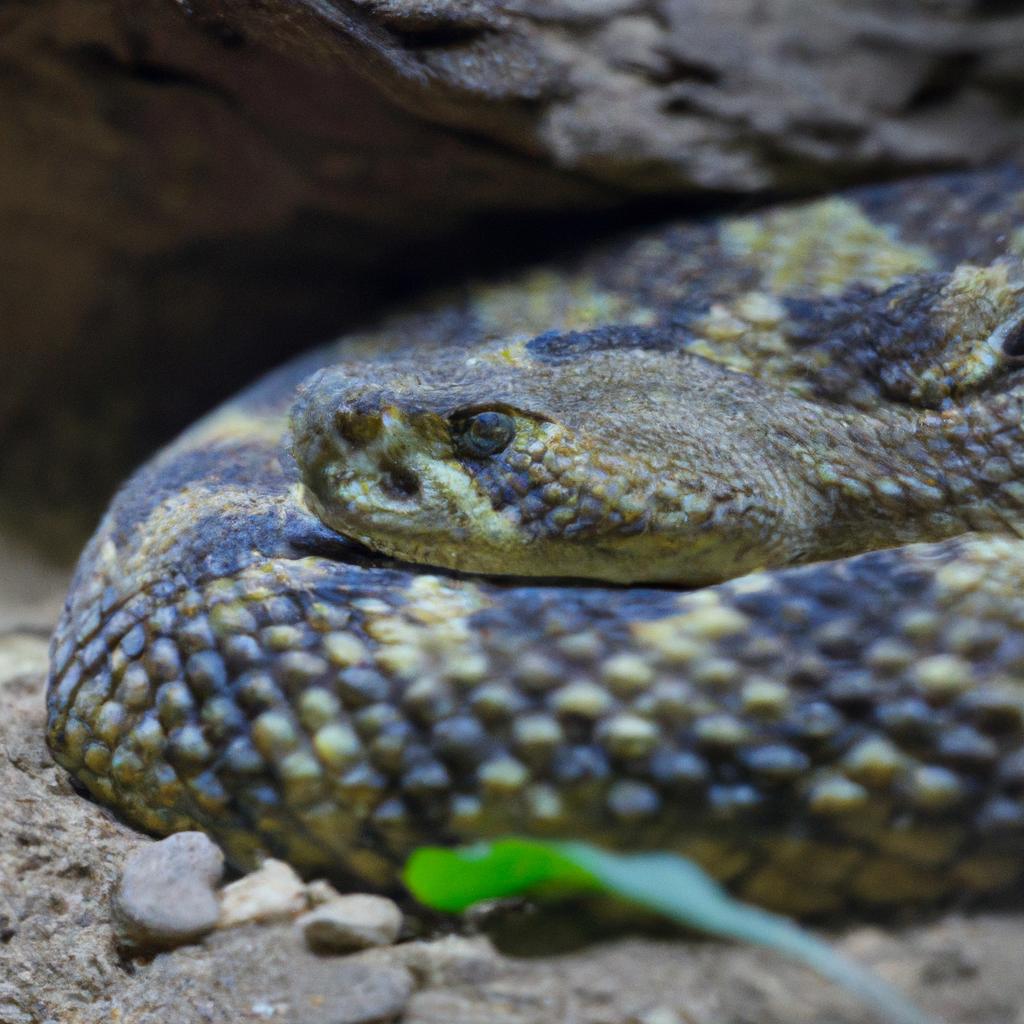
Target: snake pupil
[{"x": 484, "y": 433}]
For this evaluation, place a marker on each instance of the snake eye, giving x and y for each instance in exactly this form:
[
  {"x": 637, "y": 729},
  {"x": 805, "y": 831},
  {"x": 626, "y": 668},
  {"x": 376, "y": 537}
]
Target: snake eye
[
  {"x": 483, "y": 434},
  {"x": 1013, "y": 343}
]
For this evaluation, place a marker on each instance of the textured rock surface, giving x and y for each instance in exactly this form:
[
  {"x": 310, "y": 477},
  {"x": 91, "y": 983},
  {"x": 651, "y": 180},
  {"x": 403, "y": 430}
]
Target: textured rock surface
[
  {"x": 59, "y": 860},
  {"x": 685, "y": 94}
]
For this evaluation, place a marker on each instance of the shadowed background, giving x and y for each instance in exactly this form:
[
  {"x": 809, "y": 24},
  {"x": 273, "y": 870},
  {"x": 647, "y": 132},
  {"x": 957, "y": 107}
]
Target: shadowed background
[{"x": 192, "y": 190}]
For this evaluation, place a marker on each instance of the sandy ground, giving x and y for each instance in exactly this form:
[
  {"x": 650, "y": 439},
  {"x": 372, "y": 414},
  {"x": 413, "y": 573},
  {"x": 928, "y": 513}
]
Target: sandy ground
[{"x": 59, "y": 964}]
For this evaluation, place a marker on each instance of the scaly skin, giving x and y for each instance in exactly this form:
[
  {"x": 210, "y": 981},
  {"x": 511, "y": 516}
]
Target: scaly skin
[{"x": 828, "y": 392}]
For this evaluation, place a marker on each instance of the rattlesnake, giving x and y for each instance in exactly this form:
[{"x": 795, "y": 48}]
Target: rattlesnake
[{"x": 706, "y": 541}]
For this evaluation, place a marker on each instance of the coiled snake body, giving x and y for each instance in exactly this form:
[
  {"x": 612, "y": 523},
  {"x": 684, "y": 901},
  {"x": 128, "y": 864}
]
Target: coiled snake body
[{"x": 716, "y": 544}]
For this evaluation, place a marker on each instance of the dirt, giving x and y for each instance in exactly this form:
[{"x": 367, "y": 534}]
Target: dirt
[{"x": 60, "y": 856}]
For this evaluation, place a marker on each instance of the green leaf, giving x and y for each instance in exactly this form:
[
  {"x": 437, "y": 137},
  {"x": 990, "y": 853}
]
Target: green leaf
[{"x": 453, "y": 880}]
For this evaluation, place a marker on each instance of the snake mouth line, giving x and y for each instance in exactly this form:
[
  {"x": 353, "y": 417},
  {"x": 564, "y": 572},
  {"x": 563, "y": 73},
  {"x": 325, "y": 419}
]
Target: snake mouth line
[
  {"x": 321, "y": 541},
  {"x": 310, "y": 536}
]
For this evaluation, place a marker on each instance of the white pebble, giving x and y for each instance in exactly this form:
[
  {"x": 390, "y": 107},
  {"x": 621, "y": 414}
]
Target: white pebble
[
  {"x": 351, "y": 922},
  {"x": 271, "y": 893}
]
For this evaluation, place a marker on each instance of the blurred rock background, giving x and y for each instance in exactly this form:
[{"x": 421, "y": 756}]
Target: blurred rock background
[{"x": 192, "y": 190}]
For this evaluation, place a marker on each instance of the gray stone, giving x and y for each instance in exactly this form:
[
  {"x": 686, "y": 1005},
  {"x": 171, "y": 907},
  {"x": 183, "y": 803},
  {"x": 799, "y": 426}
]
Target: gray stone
[
  {"x": 167, "y": 892},
  {"x": 274, "y": 892},
  {"x": 351, "y": 922}
]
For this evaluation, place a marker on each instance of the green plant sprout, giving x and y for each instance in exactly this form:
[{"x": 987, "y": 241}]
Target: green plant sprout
[{"x": 452, "y": 880}]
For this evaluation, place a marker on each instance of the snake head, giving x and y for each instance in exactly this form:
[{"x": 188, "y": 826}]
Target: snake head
[
  {"x": 444, "y": 476},
  {"x": 501, "y": 465}
]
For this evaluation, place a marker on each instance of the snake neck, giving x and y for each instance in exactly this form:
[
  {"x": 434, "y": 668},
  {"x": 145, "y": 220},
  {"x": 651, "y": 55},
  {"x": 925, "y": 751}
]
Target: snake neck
[{"x": 900, "y": 477}]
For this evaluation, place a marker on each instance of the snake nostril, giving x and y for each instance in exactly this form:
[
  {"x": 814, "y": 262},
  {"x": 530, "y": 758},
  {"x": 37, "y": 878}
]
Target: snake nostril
[
  {"x": 400, "y": 482},
  {"x": 1013, "y": 343}
]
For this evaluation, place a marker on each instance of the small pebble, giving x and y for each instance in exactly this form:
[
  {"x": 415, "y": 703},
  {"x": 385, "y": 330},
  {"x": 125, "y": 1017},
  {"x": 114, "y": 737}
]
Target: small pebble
[
  {"x": 167, "y": 895},
  {"x": 351, "y": 922},
  {"x": 271, "y": 893},
  {"x": 451, "y": 960}
]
